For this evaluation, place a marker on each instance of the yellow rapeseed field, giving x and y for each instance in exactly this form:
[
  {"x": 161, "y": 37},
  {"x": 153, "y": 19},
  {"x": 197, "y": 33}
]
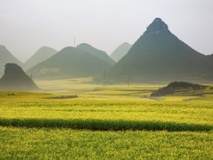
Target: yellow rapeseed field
[{"x": 112, "y": 122}]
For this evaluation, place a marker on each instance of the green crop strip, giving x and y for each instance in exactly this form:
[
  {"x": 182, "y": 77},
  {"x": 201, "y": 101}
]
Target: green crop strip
[{"x": 104, "y": 125}]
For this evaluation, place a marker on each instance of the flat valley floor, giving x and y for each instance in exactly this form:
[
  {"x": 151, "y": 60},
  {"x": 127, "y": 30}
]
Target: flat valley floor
[{"x": 75, "y": 119}]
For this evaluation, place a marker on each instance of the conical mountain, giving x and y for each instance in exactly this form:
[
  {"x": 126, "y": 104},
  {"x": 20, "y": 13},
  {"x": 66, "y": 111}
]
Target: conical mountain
[
  {"x": 120, "y": 51},
  {"x": 41, "y": 55},
  {"x": 6, "y": 57},
  {"x": 14, "y": 78},
  {"x": 96, "y": 52},
  {"x": 159, "y": 56},
  {"x": 70, "y": 62}
]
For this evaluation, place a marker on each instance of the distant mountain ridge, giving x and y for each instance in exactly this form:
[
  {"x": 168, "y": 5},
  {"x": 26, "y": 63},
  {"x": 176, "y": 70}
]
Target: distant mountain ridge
[
  {"x": 42, "y": 54},
  {"x": 70, "y": 62},
  {"x": 96, "y": 52},
  {"x": 7, "y": 57},
  {"x": 159, "y": 56},
  {"x": 120, "y": 51}
]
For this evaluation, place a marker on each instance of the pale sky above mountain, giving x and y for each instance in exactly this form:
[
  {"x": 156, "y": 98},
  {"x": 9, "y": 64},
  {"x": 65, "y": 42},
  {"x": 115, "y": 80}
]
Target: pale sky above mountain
[{"x": 26, "y": 25}]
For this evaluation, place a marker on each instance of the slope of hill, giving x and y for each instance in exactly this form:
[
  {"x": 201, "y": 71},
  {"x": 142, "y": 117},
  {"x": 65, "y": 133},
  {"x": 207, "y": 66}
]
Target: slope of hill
[
  {"x": 159, "y": 56},
  {"x": 41, "y": 55},
  {"x": 14, "y": 78},
  {"x": 96, "y": 52},
  {"x": 6, "y": 57},
  {"x": 70, "y": 62},
  {"x": 210, "y": 57},
  {"x": 121, "y": 51}
]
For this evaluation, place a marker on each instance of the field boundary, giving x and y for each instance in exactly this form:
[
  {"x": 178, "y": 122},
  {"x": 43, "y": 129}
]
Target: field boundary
[{"x": 103, "y": 125}]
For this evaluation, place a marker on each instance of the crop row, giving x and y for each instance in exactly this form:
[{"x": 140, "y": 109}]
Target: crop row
[{"x": 104, "y": 125}]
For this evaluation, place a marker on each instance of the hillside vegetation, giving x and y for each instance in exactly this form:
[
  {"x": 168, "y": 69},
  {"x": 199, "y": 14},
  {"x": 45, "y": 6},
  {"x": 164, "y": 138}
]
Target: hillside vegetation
[
  {"x": 70, "y": 62},
  {"x": 158, "y": 56},
  {"x": 183, "y": 88}
]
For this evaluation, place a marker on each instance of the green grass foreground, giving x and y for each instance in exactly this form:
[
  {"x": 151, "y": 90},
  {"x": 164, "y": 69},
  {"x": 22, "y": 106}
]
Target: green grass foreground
[
  {"x": 46, "y": 144},
  {"x": 104, "y": 125}
]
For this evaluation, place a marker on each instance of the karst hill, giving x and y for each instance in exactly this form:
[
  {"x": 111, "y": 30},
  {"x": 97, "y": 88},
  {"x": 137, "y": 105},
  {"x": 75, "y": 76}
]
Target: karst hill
[
  {"x": 70, "y": 62},
  {"x": 158, "y": 56},
  {"x": 14, "y": 78},
  {"x": 7, "y": 57},
  {"x": 120, "y": 51},
  {"x": 40, "y": 55}
]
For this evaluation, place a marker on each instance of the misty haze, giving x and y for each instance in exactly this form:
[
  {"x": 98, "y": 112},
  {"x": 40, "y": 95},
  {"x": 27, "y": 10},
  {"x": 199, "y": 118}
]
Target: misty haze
[{"x": 106, "y": 79}]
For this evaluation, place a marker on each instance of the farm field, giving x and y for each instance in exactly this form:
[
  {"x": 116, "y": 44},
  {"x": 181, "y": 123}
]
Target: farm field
[
  {"x": 72, "y": 119},
  {"x": 25, "y": 143}
]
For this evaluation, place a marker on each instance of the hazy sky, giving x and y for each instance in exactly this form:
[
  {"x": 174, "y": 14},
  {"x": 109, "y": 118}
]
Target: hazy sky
[{"x": 26, "y": 25}]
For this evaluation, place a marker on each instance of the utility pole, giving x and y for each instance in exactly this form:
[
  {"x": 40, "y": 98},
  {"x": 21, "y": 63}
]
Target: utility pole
[
  {"x": 74, "y": 42},
  {"x": 128, "y": 80},
  {"x": 104, "y": 80}
]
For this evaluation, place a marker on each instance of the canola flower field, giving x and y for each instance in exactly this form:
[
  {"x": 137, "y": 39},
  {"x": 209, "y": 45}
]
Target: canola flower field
[
  {"x": 45, "y": 143},
  {"x": 104, "y": 122}
]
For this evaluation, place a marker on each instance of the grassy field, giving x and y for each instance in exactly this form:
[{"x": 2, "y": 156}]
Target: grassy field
[{"x": 72, "y": 119}]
